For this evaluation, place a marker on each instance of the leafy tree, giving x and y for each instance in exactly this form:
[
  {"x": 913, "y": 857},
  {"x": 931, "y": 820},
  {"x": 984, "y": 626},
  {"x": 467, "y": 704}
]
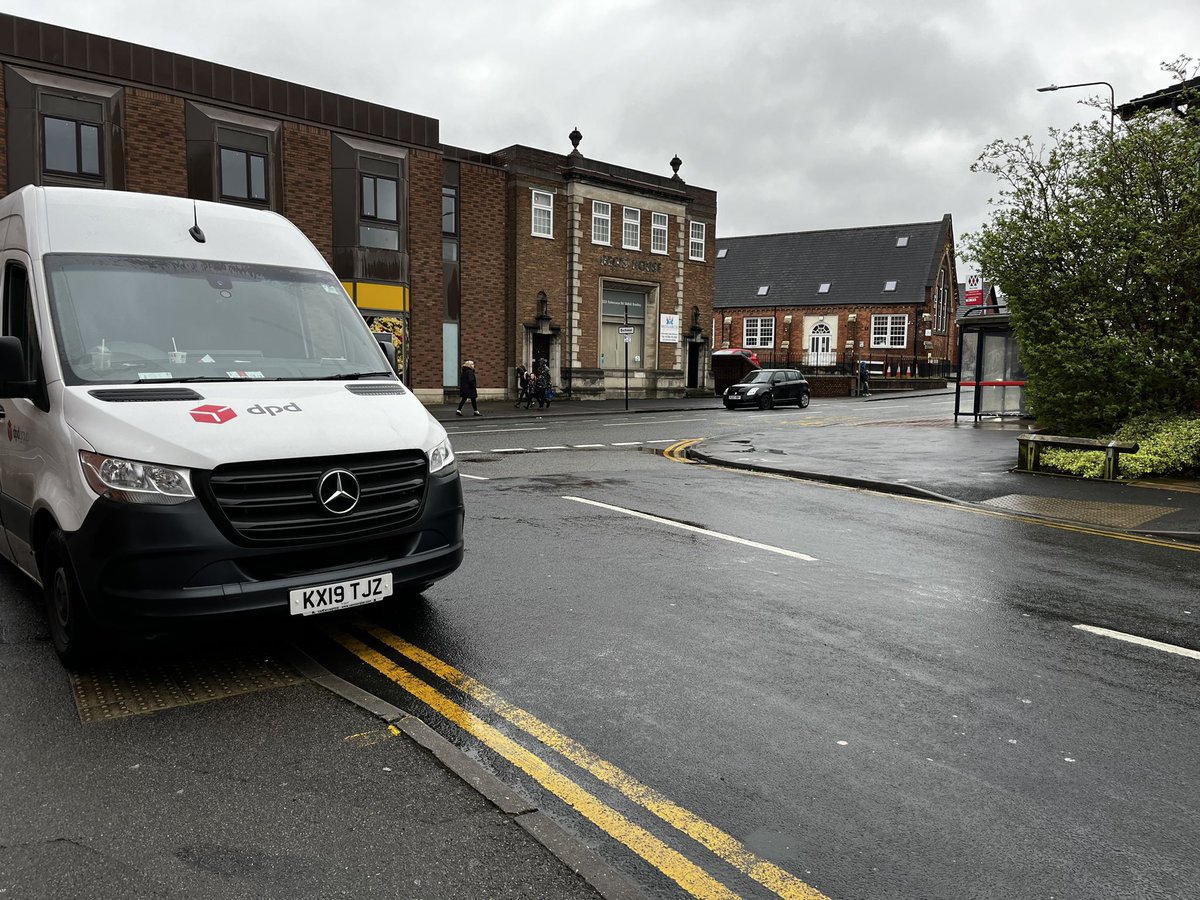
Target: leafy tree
[{"x": 1095, "y": 241}]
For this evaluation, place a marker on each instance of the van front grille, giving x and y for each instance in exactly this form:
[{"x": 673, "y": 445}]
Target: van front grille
[{"x": 279, "y": 501}]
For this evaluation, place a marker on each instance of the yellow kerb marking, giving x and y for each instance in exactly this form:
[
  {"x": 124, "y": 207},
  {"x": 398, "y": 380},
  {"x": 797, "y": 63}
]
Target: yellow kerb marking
[
  {"x": 670, "y": 862},
  {"x": 727, "y": 847}
]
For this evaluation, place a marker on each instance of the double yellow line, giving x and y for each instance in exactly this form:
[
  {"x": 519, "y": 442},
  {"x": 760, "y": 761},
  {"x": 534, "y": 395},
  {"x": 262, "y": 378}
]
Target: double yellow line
[
  {"x": 688, "y": 875},
  {"x": 677, "y": 452}
]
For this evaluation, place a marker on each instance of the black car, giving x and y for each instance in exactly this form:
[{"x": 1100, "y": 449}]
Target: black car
[{"x": 765, "y": 388}]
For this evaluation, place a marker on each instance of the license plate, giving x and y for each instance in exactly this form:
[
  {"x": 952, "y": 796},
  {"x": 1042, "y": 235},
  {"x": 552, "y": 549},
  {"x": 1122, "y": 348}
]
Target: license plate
[{"x": 340, "y": 595}]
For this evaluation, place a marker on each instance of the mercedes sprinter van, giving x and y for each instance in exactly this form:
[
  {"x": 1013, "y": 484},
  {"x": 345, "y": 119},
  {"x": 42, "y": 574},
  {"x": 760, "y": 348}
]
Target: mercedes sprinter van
[{"x": 195, "y": 421}]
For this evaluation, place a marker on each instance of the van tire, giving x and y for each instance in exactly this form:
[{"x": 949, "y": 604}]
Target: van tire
[{"x": 71, "y": 627}]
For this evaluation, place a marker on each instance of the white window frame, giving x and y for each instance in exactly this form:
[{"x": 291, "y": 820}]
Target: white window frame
[
  {"x": 889, "y": 332},
  {"x": 543, "y": 203},
  {"x": 696, "y": 241},
  {"x": 658, "y": 232},
  {"x": 758, "y": 333},
  {"x": 631, "y": 225},
  {"x": 601, "y": 223}
]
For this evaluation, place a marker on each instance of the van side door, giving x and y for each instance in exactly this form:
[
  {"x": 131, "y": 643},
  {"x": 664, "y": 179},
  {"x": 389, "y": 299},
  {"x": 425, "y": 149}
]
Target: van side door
[{"x": 22, "y": 419}]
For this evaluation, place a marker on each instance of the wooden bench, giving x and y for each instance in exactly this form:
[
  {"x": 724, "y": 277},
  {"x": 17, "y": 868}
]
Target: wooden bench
[{"x": 1029, "y": 450}]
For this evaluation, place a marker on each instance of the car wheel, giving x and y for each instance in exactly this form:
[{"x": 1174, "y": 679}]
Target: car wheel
[
  {"x": 803, "y": 401},
  {"x": 71, "y": 627},
  {"x": 766, "y": 401}
]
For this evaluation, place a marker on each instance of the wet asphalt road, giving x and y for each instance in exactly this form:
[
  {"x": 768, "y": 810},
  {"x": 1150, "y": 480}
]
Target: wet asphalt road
[{"x": 909, "y": 712}]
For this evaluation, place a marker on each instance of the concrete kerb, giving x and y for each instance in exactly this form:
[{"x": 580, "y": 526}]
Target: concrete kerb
[{"x": 568, "y": 849}]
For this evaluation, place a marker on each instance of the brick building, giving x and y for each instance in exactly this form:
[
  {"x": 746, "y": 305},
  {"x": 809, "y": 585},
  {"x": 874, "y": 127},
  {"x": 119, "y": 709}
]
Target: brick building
[
  {"x": 824, "y": 300},
  {"x": 493, "y": 257}
]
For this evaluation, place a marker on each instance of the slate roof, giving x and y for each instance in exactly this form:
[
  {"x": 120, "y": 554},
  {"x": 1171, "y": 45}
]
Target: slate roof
[{"x": 855, "y": 262}]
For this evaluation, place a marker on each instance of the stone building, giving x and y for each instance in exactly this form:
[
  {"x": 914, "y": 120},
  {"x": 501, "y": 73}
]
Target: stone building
[{"x": 494, "y": 257}]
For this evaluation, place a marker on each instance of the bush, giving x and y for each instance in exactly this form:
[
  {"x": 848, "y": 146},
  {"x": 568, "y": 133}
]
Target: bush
[{"x": 1166, "y": 446}]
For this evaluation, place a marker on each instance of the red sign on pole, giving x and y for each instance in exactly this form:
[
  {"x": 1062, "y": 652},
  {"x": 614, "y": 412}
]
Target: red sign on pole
[{"x": 974, "y": 292}]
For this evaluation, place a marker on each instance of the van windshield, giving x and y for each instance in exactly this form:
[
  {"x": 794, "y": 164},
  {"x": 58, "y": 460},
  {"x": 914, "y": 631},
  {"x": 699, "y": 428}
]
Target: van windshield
[{"x": 128, "y": 319}]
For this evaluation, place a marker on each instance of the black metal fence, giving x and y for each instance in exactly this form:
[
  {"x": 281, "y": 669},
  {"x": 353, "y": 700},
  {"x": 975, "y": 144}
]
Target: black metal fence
[{"x": 882, "y": 365}]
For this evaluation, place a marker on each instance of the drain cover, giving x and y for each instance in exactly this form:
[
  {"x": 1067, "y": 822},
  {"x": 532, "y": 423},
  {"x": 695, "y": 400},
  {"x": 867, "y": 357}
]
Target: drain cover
[
  {"x": 1089, "y": 512},
  {"x": 118, "y": 689}
]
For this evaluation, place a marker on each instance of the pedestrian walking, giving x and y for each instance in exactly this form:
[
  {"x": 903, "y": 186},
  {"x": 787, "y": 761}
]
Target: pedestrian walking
[
  {"x": 468, "y": 388},
  {"x": 544, "y": 394},
  {"x": 864, "y": 378},
  {"x": 522, "y": 387}
]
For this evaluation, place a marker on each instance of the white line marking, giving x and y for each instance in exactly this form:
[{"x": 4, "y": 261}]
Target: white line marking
[
  {"x": 556, "y": 447},
  {"x": 498, "y": 430},
  {"x": 508, "y": 450},
  {"x": 465, "y": 452},
  {"x": 1145, "y": 642},
  {"x": 667, "y": 441},
  {"x": 626, "y": 443},
  {"x": 583, "y": 446},
  {"x": 652, "y": 422},
  {"x": 680, "y": 525},
  {"x": 473, "y": 477}
]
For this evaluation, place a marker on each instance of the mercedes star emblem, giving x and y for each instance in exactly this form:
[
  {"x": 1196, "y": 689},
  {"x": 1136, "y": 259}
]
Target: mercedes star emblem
[{"x": 338, "y": 491}]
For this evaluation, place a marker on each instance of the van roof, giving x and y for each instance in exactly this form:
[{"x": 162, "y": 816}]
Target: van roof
[{"x": 84, "y": 220}]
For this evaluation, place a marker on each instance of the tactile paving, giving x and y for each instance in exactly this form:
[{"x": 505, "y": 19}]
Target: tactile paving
[
  {"x": 117, "y": 689},
  {"x": 1088, "y": 512}
]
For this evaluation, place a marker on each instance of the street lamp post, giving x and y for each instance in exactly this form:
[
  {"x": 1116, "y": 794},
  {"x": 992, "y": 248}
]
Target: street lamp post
[{"x": 1112, "y": 106}]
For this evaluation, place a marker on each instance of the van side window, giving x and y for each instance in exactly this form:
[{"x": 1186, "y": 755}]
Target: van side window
[{"x": 19, "y": 320}]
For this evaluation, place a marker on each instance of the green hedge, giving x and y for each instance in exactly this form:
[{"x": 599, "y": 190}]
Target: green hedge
[{"x": 1166, "y": 446}]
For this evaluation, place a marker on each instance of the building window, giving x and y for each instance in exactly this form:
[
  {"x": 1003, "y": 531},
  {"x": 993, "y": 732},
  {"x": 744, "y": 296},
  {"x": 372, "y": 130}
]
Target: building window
[
  {"x": 379, "y": 204},
  {"x": 601, "y": 223},
  {"x": 243, "y": 160},
  {"x": 71, "y": 139},
  {"x": 631, "y": 232},
  {"x": 60, "y": 130},
  {"x": 696, "y": 241},
  {"x": 824, "y": 287},
  {"x": 889, "y": 286},
  {"x": 232, "y": 157},
  {"x": 758, "y": 332},
  {"x": 543, "y": 214},
  {"x": 622, "y": 307},
  {"x": 658, "y": 232},
  {"x": 889, "y": 332},
  {"x": 449, "y": 210}
]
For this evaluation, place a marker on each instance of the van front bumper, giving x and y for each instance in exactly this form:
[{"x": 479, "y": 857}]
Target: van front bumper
[{"x": 149, "y": 566}]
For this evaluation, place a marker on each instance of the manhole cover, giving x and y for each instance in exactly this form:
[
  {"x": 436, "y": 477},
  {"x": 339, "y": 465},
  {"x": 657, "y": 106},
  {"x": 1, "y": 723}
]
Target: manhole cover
[
  {"x": 1089, "y": 512},
  {"x": 119, "y": 689}
]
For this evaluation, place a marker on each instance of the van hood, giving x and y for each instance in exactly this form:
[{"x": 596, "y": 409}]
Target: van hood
[{"x": 201, "y": 426}]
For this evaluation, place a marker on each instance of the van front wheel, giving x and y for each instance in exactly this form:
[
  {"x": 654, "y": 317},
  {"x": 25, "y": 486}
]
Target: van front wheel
[{"x": 71, "y": 627}]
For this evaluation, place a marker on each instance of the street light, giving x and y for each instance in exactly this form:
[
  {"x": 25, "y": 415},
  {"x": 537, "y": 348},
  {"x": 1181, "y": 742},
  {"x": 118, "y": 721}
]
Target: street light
[{"x": 1112, "y": 107}]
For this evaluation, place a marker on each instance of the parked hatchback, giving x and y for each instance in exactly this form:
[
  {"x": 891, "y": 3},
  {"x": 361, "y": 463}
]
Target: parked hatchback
[{"x": 765, "y": 388}]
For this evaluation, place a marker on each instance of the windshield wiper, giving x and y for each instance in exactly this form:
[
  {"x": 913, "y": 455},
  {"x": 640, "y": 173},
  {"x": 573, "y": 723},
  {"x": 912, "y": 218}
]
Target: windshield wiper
[{"x": 348, "y": 376}]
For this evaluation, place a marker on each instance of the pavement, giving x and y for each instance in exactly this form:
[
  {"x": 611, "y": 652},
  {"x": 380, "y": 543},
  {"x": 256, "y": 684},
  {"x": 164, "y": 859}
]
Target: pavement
[{"x": 235, "y": 766}]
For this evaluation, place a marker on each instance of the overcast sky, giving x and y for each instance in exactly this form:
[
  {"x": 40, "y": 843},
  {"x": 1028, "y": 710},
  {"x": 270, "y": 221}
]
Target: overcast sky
[{"x": 801, "y": 115}]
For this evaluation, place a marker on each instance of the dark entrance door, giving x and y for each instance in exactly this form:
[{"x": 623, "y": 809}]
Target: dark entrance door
[
  {"x": 541, "y": 348},
  {"x": 693, "y": 373}
]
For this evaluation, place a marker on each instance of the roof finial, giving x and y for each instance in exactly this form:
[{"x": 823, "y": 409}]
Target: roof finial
[
  {"x": 676, "y": 162},
  {"x": 575, "y": 137}
]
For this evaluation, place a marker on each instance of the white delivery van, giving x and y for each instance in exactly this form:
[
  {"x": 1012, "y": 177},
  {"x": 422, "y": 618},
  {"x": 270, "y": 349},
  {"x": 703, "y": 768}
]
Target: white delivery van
[{"x": 195, "y": 421}]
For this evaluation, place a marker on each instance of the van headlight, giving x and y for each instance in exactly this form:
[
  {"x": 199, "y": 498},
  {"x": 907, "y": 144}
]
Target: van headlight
[
  {"x": 441, "y": 457},
  {"x": 130, "y": 481}
]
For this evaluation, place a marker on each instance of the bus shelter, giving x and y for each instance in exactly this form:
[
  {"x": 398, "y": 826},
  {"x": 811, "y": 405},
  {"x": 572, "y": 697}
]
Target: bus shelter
[{"x": 991, "y": 379}]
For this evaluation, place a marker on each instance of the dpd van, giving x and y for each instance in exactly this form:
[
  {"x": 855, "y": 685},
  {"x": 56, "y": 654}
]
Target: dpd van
[{"x": 196, "y": 421}]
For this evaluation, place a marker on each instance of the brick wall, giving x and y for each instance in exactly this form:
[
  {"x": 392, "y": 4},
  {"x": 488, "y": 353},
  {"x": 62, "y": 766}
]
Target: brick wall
[
  {"x": 155, "y": 147},
  {"x": 3, "y": 138},
  {"x": 485, "y": 321},
  {"x": 425, "y": 268},
  {"x": 307, "y": 184}
]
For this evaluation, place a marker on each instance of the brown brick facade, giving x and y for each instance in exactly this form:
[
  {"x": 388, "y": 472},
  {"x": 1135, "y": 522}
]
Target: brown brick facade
[
  {"x": 307, "y": 188},
  {"x": 505, "y": 271},
  {"x": 155, "y": 149}
]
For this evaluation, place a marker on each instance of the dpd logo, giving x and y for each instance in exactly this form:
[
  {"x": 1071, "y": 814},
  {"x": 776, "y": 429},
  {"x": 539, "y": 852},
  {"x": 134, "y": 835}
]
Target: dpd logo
[{"x": 212, "y": 414}]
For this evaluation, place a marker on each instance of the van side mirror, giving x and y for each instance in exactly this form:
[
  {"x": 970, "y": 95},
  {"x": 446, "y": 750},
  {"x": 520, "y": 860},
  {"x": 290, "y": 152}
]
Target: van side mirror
[
  {"x": 12, "y": 369},
  {"x": 388, "y": 348}
]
